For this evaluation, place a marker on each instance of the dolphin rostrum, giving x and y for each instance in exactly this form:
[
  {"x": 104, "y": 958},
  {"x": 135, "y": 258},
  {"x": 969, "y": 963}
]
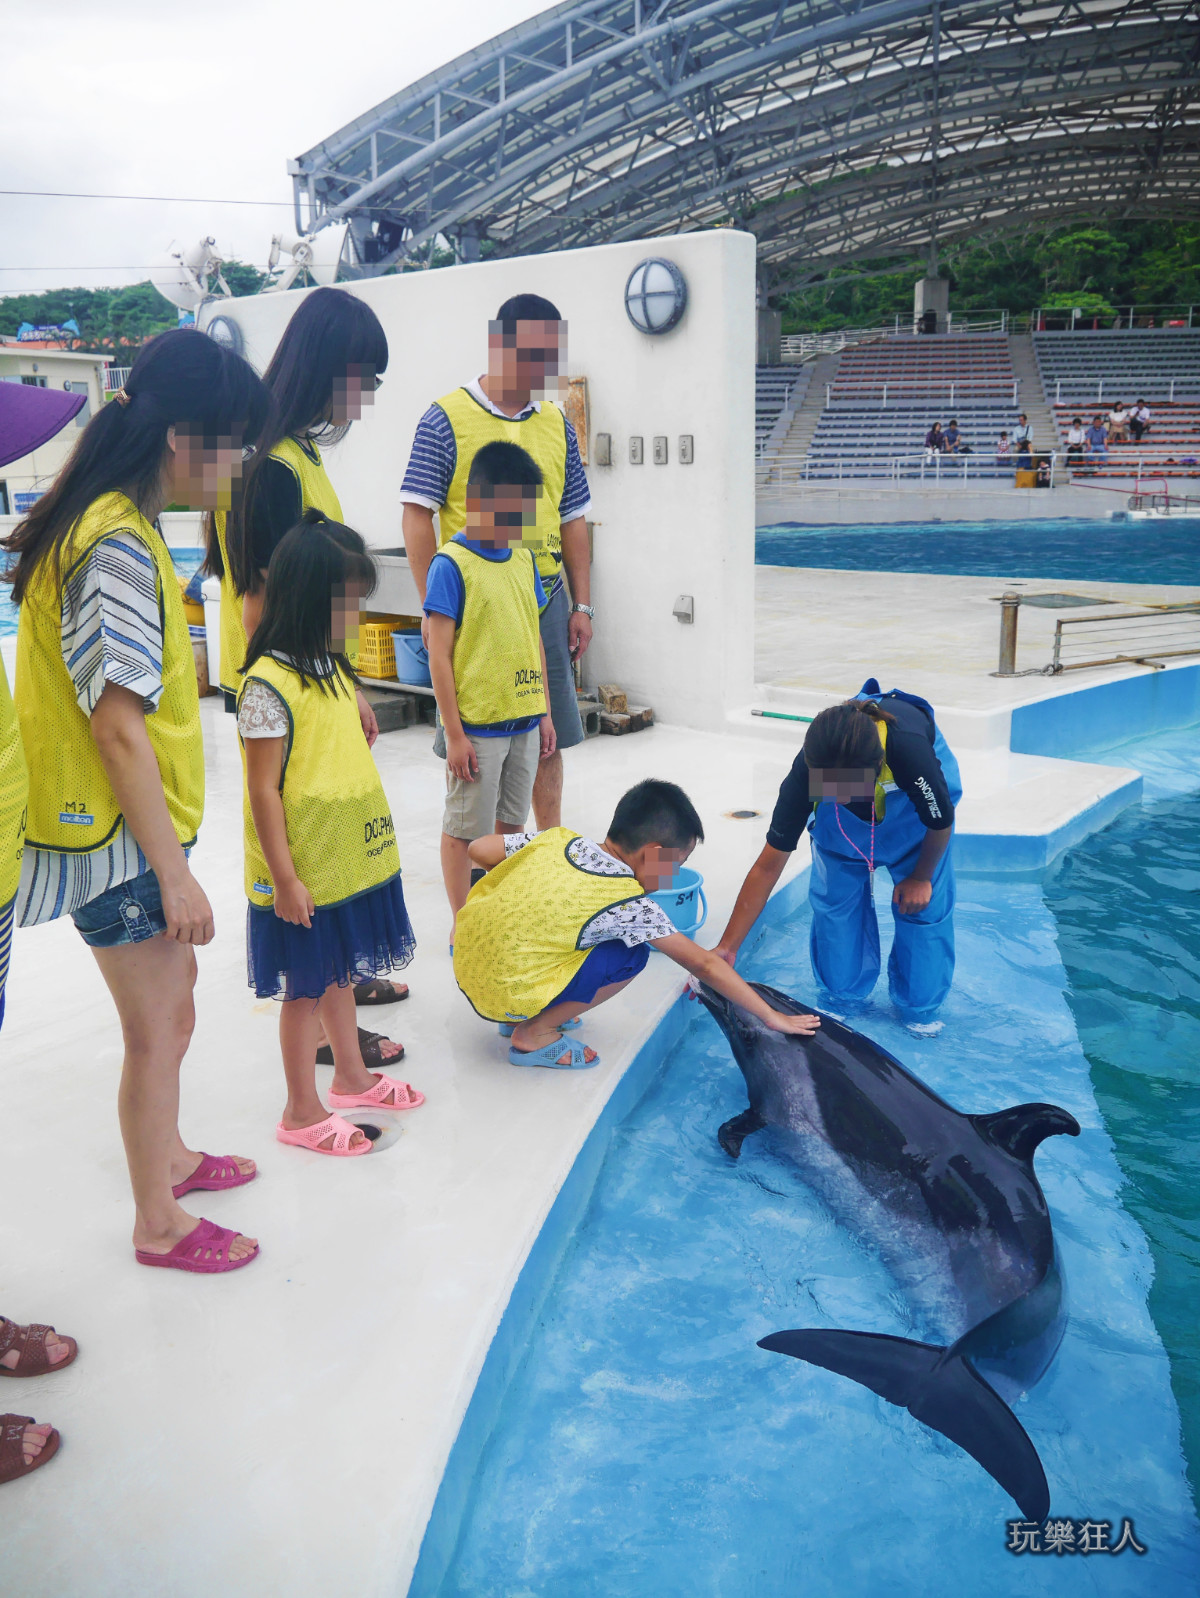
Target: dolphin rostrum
[{"x": 951, "y": 1204}]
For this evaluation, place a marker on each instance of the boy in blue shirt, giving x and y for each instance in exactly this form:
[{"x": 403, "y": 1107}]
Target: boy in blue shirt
[{"x": 482, "y": 597}]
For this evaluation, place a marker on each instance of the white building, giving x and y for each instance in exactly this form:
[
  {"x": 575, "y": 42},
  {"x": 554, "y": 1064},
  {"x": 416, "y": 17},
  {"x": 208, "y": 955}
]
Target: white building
[{"x": 24, "y": 479}]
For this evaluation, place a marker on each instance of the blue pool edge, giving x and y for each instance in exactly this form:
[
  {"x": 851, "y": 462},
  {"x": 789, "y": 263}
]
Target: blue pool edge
[{"x": 537, "y": 1274}]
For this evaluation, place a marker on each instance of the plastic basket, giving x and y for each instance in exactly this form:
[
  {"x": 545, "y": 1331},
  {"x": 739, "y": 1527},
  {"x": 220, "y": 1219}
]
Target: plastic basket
[{"x": 376, "y": 656}]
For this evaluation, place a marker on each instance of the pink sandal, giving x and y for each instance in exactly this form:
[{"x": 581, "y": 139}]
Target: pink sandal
[
  {"x": 404, "y": 1097},
  {"x": 311, "y": 1137},
  {"x": 214, "y": 1172},
  {"x": 204, "y": 1250}
]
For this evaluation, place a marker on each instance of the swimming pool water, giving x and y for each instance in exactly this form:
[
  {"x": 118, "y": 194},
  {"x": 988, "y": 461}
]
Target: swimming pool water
[
  {"x": 186, "y": 562},
  {"x": 1127, "y": 905},
  {"x": 1062, "y": 550},
  {"x": 647, "y": 1447}
]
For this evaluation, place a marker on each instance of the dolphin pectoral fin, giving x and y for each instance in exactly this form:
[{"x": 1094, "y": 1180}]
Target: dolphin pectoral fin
[
  {"x": 1018, "y": 1131},
  {"x": 947, "y": 1394},
  {"x": 734, "y": 1133}
]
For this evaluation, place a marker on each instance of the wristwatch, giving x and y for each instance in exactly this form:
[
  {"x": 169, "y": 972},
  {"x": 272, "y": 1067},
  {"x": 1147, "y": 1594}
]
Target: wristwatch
[{"x": 585, "y": 610}]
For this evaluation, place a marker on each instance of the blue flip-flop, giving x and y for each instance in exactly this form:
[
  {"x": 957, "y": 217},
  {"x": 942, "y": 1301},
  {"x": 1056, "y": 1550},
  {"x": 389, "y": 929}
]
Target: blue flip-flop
[
  {"x": 507, "y": 1028},
  {"x": 551, "y": 1056}
]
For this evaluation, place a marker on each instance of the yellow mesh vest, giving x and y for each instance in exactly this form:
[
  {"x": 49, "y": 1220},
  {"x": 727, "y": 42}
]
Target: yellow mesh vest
[
  {"x": 516, "y": 941},
  {"x": 72, "y": 807},
  {"x": 316, "y": 493},
  {"x": 885, "y": 783},
  {"x": 497, "y": 659},
  {"x": 339, "y": 825},
  {"x": 543, "y": 434},
  {"x": 14, "y": 794}
]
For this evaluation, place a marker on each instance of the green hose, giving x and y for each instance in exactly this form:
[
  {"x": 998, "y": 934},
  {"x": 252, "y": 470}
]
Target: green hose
[{"x": 778, "y": 715}]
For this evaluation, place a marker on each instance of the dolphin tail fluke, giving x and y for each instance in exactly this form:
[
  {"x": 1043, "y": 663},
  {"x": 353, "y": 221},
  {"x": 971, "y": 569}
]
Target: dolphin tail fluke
[
  {"x": 944, "y": 1392},
  {"x": 734, "y": 1133}
]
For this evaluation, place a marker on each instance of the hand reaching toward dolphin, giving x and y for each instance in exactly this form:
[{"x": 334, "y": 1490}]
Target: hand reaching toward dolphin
[{"x": 712, "y": 968}]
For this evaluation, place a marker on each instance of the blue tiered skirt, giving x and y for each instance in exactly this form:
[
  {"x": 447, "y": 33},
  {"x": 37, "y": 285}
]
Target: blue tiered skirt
[{"x": 349, "y": 942}]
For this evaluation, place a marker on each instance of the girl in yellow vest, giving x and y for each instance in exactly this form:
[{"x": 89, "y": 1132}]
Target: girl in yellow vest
[
  {"x": 109, "y": 716},
  {"x": 322, "y": 376},
  {"x": 561, "y": 924},
  {"x": 14, "y": 796},
  {"x": 322, "y": 868}
]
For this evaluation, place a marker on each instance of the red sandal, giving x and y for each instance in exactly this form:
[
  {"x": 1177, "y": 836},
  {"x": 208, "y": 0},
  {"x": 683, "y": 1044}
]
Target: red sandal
[
  {"x": 30, "y": 1341},
  {"x": 12, "y": 1447},
  {"x": 215, "y": 1171},
  {"x": 204, "y": 1250}
]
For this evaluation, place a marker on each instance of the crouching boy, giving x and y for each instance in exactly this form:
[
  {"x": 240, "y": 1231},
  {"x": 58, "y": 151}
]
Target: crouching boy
[
  {"x": 482, "y": 598},
  {"x": 560, "y": 924}
]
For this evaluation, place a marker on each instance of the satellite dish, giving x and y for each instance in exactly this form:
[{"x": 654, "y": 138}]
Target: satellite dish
[
  {"x": 318, "y": 254},
  {"x": 182, "y": 275}
]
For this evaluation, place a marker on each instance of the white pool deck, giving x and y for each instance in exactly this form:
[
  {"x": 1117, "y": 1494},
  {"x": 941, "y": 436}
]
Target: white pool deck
[{"x": 284, "y": 1429}]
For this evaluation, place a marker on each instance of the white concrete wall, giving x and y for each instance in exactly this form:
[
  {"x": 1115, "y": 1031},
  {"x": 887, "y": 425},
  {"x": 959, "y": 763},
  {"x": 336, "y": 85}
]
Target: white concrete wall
[{"x": 660, "y": 530}]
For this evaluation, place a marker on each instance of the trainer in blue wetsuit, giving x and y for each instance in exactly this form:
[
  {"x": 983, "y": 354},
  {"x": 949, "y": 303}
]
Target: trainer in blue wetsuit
[{"x": 876, "y": 785}]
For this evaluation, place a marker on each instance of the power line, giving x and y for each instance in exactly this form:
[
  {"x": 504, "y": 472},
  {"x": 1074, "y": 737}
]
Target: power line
[
  {"x": 153, "y": 199},
  {"x": 145, "y": 266}
]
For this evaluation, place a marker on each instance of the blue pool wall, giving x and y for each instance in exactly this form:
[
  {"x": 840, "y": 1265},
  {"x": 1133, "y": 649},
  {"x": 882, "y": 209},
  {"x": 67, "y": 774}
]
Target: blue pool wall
[
  {"x": 1069, "y": 726},
  {"x": 512, "y": 1336}
]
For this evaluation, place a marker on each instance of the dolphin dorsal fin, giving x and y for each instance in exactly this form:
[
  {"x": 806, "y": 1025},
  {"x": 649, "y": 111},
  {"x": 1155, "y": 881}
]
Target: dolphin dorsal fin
[{"x": 1018, "y": 1131}]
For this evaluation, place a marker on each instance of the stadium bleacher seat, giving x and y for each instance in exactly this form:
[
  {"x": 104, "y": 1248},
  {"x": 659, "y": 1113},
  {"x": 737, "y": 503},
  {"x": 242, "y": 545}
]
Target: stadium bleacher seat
[
  {"x": 885, "y": 396},
  {"x": 776, "y": 389},
  {"x": 1086, "y": 373}
]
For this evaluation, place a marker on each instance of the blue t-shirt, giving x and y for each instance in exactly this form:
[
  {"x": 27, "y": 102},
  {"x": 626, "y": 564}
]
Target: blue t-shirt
[{"x": 445, "y": 595}]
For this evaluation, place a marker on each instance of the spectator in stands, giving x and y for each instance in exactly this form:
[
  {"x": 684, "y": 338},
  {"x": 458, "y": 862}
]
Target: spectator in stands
[
  {"x": 1097, "y": 441},
  {"x": 951, "y": 435},
  {"x": 935, "y": 441},
  {"x": 1023, "y": 433},
  {"x": 1139, "y": 421},
  {"x": 1076, "y": 437},
  {"x": 1118, "y": 424},
  {"x": 1003, "y": 450},
  {"x": 1024, "y": 454}
]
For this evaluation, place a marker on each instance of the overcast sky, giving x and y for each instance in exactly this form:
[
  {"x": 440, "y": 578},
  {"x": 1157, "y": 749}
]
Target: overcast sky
[{"x": 142, "y": 97}]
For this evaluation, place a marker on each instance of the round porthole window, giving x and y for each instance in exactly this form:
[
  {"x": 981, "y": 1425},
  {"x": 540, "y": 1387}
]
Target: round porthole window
[
  {"x": 655, "y": 295},
  {"x": 224, "y": 330}
]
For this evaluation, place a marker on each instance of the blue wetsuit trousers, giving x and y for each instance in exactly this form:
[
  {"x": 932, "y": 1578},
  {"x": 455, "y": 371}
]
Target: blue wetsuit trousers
[{"x": 844, "y": 941}]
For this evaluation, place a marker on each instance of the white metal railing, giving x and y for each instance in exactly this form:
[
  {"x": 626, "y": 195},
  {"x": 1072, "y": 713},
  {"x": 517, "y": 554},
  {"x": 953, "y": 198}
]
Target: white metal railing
[
  {"x": 1083, "y": 388},
  {"x": 114, "y": 378},
  {"x": 927, "y": 466},
  {"x": 800, "y": 347},
  {"x": 846, "y": 389},
  {"x": 1183, "y": 458}
]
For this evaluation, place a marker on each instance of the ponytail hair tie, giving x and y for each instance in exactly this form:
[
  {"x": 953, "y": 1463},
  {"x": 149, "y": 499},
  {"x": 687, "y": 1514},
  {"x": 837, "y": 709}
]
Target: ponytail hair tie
[{"x": 122, "y": 396}]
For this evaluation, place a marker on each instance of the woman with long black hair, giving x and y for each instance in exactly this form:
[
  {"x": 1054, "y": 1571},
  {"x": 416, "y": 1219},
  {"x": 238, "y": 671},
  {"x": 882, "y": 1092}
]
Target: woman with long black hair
[
  {"x": 110, "y": 721},
  {"x": 322, "y": 376}
]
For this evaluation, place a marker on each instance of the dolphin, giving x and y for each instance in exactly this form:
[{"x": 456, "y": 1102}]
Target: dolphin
[{"x": 951, "y": 1204}]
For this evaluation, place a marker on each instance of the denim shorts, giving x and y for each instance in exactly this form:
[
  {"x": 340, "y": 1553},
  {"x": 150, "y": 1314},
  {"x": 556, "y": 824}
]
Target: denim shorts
[{"x": 129, "y": 913}]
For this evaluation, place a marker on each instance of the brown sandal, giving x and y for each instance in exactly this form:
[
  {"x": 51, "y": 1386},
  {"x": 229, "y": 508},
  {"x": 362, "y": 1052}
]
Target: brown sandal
[
  {"x": 369, "y": 1043},
  {"x": 378, "y": 990},
  {"x": 12, "y": 1447},
  {"x": 30, "y": 1341}
]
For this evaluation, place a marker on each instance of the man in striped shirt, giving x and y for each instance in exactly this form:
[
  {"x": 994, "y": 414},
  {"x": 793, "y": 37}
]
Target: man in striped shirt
[{"x": 526, "y": 351}]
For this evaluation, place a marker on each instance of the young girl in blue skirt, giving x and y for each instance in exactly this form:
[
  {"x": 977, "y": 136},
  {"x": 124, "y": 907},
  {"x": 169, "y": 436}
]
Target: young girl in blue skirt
[{"x": 322, "y": 869}]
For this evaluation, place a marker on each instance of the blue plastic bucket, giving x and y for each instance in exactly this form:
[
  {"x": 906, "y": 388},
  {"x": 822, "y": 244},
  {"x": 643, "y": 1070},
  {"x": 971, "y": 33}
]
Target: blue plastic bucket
[
  {"x": 412, "y": 660},
  {"x": 684, "y": 900}
]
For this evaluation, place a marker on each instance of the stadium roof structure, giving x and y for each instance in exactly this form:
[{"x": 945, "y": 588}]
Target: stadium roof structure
[{"x": 835, "y": 130}]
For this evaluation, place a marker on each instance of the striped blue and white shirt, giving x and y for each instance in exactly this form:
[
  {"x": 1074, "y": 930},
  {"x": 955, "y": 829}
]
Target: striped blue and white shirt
[
  {"x": 434, "y": 456},
  {"x": 112, "y": 631}
]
